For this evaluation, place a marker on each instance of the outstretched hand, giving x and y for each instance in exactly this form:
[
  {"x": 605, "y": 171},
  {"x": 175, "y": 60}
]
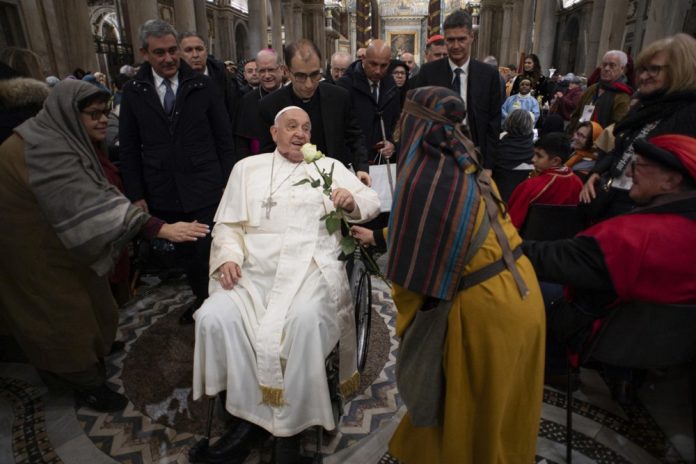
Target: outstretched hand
[
  {"x": 588, "y": 193},
  {"x": 363, "y": 235},
  {"x": 183, "y": 231}
]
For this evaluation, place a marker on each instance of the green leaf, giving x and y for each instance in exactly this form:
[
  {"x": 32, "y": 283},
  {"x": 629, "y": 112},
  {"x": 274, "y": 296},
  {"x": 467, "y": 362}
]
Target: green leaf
[
  {"x": 327, "y": 215},
  {"x": 315, "y": 183},
  {"x": 347, "y": 245},
  {"x": 303, "y": 181},
  {"x": 332, "y": 224}
]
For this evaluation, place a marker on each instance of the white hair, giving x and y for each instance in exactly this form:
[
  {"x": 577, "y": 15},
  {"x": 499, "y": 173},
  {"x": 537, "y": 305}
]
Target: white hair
[
  {"x": 283, "y": 111},
  {"x": 623, "y": 59}
]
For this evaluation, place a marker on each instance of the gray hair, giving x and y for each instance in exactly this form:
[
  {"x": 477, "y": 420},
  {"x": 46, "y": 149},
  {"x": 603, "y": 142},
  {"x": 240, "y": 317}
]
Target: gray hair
[
  {"x": 186, "y": 35},
  {"x": 154, "y": 28},
  {"x": 519, "y": 122},
  {"x": 341, "y": 54},
  {"x": 492, "y": 60},
  {"x": 623, "y": 59}
]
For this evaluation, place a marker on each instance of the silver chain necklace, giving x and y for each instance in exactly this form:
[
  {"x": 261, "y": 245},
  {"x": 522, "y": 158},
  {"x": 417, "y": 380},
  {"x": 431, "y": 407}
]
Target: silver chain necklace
[{"x": 268, "y": 203}]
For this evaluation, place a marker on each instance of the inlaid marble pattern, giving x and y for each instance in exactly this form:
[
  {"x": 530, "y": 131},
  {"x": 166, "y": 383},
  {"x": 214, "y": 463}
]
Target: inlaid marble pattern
[{"x": 603, "y": 431}]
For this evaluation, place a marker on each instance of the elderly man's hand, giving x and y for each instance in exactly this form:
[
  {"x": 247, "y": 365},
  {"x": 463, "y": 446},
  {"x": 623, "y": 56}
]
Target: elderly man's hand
[
  {"x": 342, "y": 198},
  {"x": 229, "y": 274},
  {"x": 364, "y": 178}
]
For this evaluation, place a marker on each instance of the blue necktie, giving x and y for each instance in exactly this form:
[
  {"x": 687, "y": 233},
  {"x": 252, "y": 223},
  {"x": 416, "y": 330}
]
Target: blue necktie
[
  {"x": 169, "y": 97},
  {"x": 457, "y": 82}
]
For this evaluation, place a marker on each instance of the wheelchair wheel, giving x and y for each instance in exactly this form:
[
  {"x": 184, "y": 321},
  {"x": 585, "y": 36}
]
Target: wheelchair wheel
[{"x": 363, "y": 314}]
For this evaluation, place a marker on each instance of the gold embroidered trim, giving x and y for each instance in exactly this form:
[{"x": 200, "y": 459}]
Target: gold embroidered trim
[
  {"x": 272, "y": 396},
  {"x": 350, "y": 386}
]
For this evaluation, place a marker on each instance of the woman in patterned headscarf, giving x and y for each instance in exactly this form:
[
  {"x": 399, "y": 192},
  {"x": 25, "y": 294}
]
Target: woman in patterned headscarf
[
  {"x": 65, "y": 224},
  {"x": 470, "y": 313}
]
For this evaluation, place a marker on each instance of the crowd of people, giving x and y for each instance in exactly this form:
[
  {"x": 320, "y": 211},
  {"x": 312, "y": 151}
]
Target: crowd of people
[{"x": 213, "y": 157}]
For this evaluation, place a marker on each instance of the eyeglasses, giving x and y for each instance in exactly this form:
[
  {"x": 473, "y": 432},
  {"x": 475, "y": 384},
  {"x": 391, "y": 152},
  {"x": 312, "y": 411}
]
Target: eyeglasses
[
  {"x": 302, "y": 77},
  {"x": 97, "y": 114},
  {"x": 652, "y": 69},
  {"x": 399, "y": 73},
  {"x": 579, "y": 134}
]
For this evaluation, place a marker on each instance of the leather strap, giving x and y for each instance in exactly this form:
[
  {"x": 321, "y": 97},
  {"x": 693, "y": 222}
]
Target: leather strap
[{"x": 486, "y": 272}]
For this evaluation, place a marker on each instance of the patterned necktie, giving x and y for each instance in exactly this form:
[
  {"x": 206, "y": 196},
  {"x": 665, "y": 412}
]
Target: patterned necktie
[
  {"x": 457, "y": 82},
  {"x": 169, "y": 97},
  {"x": 374, "y": 91}
]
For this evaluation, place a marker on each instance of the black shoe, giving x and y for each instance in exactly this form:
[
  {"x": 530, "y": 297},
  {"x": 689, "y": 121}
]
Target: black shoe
[
  {"x": 287, "y": 450},
  {"x": 116, "y": 346},
  {"x": 236, "y": 444},
  {"x": 187, "y": 317},
  {"x": 102, "y": 399}
]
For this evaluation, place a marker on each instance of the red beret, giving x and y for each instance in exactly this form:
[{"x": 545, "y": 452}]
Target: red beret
[
  {"x": 674, "y": 151},
  {"x": 435, "y": 38}
]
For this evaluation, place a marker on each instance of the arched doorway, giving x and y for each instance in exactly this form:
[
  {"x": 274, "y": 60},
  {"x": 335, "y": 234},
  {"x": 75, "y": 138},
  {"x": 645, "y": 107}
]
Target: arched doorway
[{"x": 241, "y": 41}]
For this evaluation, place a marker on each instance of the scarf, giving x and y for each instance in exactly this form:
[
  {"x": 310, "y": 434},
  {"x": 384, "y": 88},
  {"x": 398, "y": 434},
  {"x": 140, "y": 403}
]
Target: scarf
[
  {"x": 89, "y": 215},
  {"x": 605, "y": 103}
]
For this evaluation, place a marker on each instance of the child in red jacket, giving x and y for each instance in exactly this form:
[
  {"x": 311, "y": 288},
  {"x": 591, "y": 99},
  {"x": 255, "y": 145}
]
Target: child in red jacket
[{"x": 552, "y": 182}]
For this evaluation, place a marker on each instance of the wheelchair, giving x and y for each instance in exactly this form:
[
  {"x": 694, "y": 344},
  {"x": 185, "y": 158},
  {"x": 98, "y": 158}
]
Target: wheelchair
[{"x": 360, "y": 282}]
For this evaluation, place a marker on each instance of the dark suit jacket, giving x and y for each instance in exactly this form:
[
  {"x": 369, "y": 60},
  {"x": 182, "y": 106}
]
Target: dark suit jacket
[
  {"x": 344, "y": 139},
  {"x": 369, "y": 112},
  {"x": 484, "y": 100},
  {"x": 177, "y": 164}
]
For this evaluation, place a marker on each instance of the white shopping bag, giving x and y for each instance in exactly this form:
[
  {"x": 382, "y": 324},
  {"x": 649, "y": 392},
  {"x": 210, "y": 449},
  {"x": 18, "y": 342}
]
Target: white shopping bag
[{"x": 380, "y": 184}]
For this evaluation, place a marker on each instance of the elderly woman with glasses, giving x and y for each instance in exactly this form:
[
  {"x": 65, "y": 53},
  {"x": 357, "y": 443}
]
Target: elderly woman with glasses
[
  {"x": 65, "y": 225},
  {"x": 666, "y": 72}
]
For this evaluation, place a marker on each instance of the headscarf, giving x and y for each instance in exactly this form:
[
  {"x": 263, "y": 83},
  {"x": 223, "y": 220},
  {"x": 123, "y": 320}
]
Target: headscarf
[
  {"x": 89, "y": 215},
  {"x": 436, "y": 198}
]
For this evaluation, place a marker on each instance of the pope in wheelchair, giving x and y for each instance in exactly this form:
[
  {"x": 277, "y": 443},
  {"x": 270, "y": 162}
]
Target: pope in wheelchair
[{"x": 279, "y": 296}]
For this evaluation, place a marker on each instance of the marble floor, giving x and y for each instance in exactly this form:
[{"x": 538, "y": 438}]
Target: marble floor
[{"x": 42, "y": 426}]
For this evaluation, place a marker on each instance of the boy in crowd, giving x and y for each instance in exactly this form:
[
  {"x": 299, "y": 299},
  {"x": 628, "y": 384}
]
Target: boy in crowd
[{"x": 552, "y": 182}]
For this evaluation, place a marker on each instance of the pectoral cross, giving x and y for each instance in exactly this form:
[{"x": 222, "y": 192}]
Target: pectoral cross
[{"x": 268, "y": 203}]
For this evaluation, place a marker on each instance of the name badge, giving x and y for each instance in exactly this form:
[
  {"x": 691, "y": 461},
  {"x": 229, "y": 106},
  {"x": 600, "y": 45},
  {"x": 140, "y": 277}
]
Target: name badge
[{"x": 587, "y": 113}]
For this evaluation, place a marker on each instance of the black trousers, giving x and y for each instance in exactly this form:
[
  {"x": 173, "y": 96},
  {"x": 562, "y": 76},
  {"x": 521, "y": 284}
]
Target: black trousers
[{"x": 193, "y": 256}]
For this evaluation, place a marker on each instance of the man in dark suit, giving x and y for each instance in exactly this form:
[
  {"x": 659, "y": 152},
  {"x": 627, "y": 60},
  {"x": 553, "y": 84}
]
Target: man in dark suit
[
  {"x": 476, "y": 82},
  {"x": 194, "y": 52},
  {"x": 176, "y": 145},
  {"x": 335, "y": 130}
]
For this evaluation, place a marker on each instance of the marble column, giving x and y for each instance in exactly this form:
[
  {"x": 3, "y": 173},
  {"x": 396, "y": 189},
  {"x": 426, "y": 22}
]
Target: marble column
[
  {"x": 544, "y": 39},
  {"x": 298, "y": 27},
  {"x": 257, "y": 26},
  {"x": 137, "y": 14},
  {"x": 594, "y": 32},
  {"x": 276, "y": 26},
  {"x": 319, "y": 30},
  {"x": 201, "y": 18},
  {"x": 77, "y": 29},
  {"x": 288, "y": 22},
  {"x": 525, "y": 44},
  {"x": 505, "y": 55},
  {"x": 184, "y": 16},
  {"x": 613, "y": 26},
  {"x": 514, "y": 50},
  {"x": 484, "y": 34},
  {"x": 663, "y": 22}
]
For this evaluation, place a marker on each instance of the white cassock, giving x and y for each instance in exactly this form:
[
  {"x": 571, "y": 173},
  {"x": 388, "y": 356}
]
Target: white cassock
[{"x": 265, "y": 341}]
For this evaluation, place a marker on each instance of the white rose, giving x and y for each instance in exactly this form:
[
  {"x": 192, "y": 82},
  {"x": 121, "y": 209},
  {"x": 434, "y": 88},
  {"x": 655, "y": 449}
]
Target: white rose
[{"x": 309, "y": 152}]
